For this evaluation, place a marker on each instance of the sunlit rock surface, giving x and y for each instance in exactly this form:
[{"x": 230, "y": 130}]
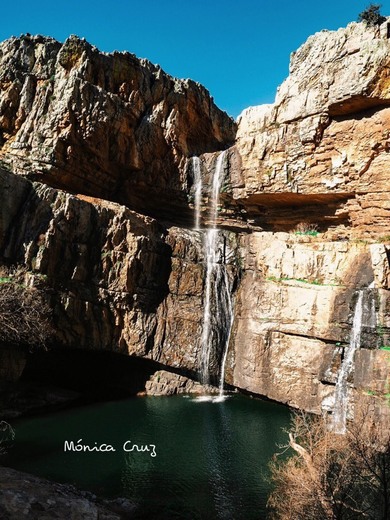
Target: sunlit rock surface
[
  {"x": 107, "y": 125},
  {"x": 321, "y": 151}
]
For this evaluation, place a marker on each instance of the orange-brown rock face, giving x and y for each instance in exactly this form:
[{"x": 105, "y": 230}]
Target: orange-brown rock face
[
  {"x": 106, "y": 125},
  {"x": 317, "y": 159},
  {"x": 321, "y": 152}
]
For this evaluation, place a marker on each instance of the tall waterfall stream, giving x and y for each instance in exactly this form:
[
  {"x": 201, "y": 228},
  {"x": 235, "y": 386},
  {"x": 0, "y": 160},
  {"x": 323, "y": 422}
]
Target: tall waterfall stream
[{"x": 218, "y": 303}]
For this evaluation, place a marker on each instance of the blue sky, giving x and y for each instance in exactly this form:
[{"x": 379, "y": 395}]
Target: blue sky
[{"x": 238, "y": 49}]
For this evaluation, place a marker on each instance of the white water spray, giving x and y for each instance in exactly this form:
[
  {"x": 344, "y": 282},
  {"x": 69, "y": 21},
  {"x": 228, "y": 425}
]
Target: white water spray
[{"x": 229, "y": 313}]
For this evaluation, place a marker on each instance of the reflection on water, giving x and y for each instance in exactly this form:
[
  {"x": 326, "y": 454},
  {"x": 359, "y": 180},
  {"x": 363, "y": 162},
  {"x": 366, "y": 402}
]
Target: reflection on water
[{"x": 211, "y": 454}]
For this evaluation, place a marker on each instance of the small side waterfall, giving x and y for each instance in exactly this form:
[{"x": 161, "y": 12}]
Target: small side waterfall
[
  {"x": 340, "y": 409},
  {"x": 218, "y": 306}
]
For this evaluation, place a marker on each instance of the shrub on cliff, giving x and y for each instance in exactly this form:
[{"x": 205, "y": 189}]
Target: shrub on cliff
[
  {"x": 24, "y": 313},
  {"x": 372, "y": 16},
  {"x": 333, "y": 477}
]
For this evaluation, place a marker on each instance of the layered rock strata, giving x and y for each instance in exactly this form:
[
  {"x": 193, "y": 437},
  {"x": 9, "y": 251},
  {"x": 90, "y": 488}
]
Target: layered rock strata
[
  {"x": 320, "y": 153},
  {"x": 294, "y": 313},
  {"x": 167, "y": 383},
  {"x": 315, "y": 160}
]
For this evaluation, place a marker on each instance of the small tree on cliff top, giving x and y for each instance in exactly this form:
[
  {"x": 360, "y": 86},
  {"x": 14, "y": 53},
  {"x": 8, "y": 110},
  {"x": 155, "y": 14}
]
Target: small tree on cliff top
[{"x": 372, "y": 16}]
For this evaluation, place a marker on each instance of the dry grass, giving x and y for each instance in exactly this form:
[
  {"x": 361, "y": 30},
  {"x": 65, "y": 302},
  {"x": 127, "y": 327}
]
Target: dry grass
[
  {"x": 333, "y": 477},
  {"x": 25, "y": 315}
]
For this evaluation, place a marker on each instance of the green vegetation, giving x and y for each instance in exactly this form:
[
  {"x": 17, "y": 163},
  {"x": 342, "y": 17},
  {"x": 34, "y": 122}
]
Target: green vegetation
[
  {"x": 7, "y": 436},
  {"x": 5, "y": 166},
  {"x": 380, "y": 330},
  {"x": 371, "y": 16},
  {"x": 314, "y": 281},
  {"x": 311, "y": 233},
  {"x": 307, "y": 229},
  {"x": 239, "y": 262},
  {"x": 226, "y": 187}
]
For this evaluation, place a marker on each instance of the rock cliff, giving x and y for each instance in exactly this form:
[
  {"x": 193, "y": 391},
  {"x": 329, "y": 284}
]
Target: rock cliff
[
  {"x": 118, "y": 281},
  {"x": 311, "y": 171},
  {"x": 304, "y": 204},
  {"x": 294, "y": 315},
  {"x": 106, "y": 125},
  {"x": 320, "y": 153},
  {"x": 24, "y": 496}
]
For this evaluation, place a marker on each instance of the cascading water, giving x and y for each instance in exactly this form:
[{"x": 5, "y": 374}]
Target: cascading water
[
  {"x": 229, "y": 314},
  {"x": 218, "y": 306},
  {"x": 197, "y": 190},
  {"x": 341, "y": 392},
  {"x": 363, "y": 315}
]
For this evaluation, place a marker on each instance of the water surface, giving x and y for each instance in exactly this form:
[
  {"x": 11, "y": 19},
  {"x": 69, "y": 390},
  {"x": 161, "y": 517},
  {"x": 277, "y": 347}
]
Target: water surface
[{"x": 211, "y": 457}]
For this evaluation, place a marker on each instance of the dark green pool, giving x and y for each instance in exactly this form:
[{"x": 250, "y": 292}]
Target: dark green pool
[{"x": 210, "y": 463}]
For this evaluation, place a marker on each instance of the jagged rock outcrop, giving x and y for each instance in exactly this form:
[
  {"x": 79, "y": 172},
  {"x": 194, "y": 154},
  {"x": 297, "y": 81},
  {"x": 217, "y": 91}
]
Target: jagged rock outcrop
[
  {"x": 320, "y": 153},
  {"x": 106, "y": 125},
  {"x": 168, "y": 383},
  {"x": 317, "y": 159}
]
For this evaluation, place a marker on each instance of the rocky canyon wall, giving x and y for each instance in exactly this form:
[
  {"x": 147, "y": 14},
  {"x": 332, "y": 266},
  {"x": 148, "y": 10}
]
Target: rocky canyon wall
[
  {"x": 320, "y": 153},
  {"x": 311, "y": 173},
  {"x": 117, "y": 280},
  {"x": 294, "y": 315},
  {"x": 106, "y": 125},
  {"x": 304, "y": 207}
]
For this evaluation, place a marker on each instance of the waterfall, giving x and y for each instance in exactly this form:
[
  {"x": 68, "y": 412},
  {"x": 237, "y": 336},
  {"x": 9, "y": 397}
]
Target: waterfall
[
  {"x": 218, "y": 307},
  {"x": 229, "y": 317},
  {"x": 197, "y": 190},
  {"x": 341, "y": 393},
  {"x": 207, "y": 332}
]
